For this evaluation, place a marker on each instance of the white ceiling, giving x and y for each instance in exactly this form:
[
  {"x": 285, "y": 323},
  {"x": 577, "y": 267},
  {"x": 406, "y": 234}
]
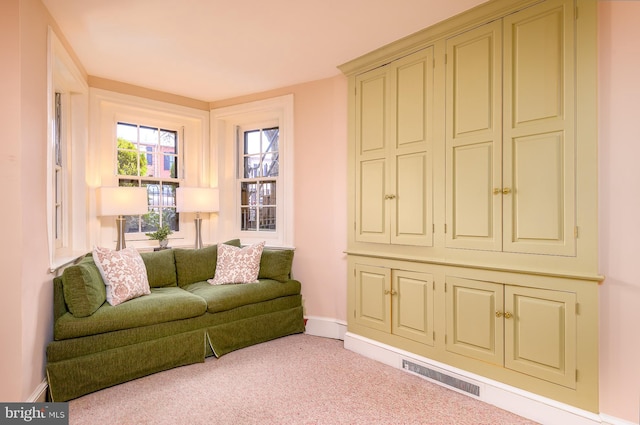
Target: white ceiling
[{"x": 217, "y": 49}]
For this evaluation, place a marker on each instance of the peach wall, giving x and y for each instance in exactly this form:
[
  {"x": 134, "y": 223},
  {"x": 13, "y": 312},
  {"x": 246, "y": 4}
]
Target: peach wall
[
  {"x": 619, "y": 198},
  {"x": 320, "y": 204},
  {"x": 10, "y": 165}
]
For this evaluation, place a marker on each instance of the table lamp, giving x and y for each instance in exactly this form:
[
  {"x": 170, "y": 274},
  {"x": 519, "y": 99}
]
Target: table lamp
[
  {"x": 121, "y": 201},
  {"x": 197, "y": 200}
]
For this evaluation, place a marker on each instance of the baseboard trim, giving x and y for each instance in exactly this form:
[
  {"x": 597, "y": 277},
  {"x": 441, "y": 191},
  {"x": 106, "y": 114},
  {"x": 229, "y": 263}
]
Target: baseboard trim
[
  {"x": 515, "y": 400},
  {"x": 609, "y": 420},
  {"x": 325, "y": 327},
  {"x": 40, "y": 393}
]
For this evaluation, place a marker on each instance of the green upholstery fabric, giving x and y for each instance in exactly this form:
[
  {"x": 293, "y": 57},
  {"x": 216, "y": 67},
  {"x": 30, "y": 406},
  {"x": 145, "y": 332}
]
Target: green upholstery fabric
[
  {"x": 83, "y": 288},
  {"x": 195, "y": 265},
  {"x": 79, "y": 347},
  {"x": 276, "y": 264},
  {"x": 161, "y": 268},
  {"x": 227, "y": 297},
  {"x": 162, "y": 305},
  {"x": 79, "y": 376}
]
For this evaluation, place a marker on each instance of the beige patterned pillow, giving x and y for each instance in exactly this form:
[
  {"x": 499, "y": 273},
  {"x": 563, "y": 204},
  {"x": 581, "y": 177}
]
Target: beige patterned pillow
[
  {"x": 123, "y": 272},
  {"x": 237, "y": 265}
]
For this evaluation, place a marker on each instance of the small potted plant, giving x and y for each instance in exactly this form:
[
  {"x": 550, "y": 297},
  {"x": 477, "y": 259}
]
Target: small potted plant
[{"x": 161, "y": 233}]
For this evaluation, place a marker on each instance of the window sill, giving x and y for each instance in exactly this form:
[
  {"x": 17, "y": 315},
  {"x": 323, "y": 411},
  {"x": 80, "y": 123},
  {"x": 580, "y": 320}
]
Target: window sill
[{"x": 64, "y": 258}]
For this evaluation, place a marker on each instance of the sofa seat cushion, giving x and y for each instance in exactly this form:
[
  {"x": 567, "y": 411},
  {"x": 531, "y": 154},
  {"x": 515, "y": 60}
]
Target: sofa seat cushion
[
  {"x": 227, "y": 297},
  {"x": 162, "y": 305}
]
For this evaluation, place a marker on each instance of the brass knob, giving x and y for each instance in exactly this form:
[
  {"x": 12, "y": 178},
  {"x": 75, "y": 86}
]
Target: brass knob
[
  {"x": 393, "y": 292},
  {"x": 498, "y": 314},
  {"x": 386, "y": 292},
  {"x": 507, "y": 315},
  {"x": 389, "y": 196},
  {"x": 497, "y": 190},
  {"x": 506, "y": 191}
]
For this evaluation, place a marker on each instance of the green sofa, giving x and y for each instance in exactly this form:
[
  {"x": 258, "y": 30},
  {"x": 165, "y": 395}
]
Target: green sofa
[{"x": 182, "y": 321}]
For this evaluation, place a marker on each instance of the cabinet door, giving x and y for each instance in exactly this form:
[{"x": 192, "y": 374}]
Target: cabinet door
[
  {"x": 411, "y": 149},
  {"x": 373, "y": 308},
  {"x": 538, "y": 135},
  {"x": 372, "y": 142},
  {"x": 412, "y": 306},
  {"x": 473, "y": 138},
  {"x": 473, "y": 327},
  {"x": 540, "y": 333}
]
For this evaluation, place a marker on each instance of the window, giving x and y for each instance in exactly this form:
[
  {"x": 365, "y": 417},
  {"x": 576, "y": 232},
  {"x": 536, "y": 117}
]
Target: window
[
  {"x": 139, "y": 151},
  {"x": 67, "y": 143},
  {"x": 258, "y": 179},
  {"x": 253, "y": 147}
]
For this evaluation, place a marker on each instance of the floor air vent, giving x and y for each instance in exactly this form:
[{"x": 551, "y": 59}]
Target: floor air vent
[{"x": 450, "y": 381}]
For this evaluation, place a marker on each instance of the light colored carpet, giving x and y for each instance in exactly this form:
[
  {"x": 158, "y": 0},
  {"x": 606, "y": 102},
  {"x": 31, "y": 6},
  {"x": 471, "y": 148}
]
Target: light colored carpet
[{"x": 299, "y": 379}]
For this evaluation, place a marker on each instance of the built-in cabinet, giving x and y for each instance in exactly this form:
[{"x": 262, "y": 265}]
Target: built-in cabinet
[
  {"x": 393, "y": 144},
  {"x": 529, "y": 330},
  {"x": 396, "y": 301},
  {"x": 472, "y": 232}
]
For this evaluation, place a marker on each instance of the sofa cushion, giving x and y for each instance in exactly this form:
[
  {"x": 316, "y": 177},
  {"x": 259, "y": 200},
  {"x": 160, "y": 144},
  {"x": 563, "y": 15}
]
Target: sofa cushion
[
  {"x": 83, "y": 288},
  {"x": 237, "y": 265},
  {"x": 276, "y": 264},
  {"x": 123, "y": 273},
  {"x": 196, "y": 265},
  {"x": 161, "y": 268},
  {"x": 162, "y": 305},
  {"x": 227, "y": 297}
]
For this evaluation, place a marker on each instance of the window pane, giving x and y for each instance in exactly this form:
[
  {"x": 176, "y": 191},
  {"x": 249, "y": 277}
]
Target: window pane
[
  {"x": 248, "y": 193},
  {"x": 252, "y": 142},
  {"x": 252, "y": 167},
  {"x": 169, "y": 168},
  {"x": 248, "y": 218},
  {"x": 270, "y": 165},
  {"x": 127, "y": 132},
  {"x": 268, "y": 193},
  {"x": 170, "y": 217},
  {"x": 268, "y": 218},
  {"x": 270, "y": 138},
  {"x": 128, "y": 158},
  {"x": 169, "y": 141},
  {"x": 169, "y": 194}
]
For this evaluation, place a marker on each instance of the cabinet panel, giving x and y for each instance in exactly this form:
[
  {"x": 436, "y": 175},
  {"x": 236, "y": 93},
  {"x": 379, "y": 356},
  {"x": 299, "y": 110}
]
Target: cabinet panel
[
  {"x": 371, "y": 210},
  {"x": 412, "y": 92},
  {"x": 412, "y": 213},
  {"x": 475, "y": 211},
  {"x": 539, "y": 130},
  {"x": 538, "y": 201},
  {"x": 412, "y": 306},
  {"x": 473, "y": 329},
  {"x": 372, "y": 306},
  {"x": 541, "y": 334},
  {"x": 473, "y": 138},
  {"x": 371, "y": 113}
]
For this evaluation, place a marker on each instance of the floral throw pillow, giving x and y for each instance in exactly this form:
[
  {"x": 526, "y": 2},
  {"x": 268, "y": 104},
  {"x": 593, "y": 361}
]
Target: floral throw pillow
[
  {"x": 237, "y": 265},
  {"x": 123, "y": 272}
]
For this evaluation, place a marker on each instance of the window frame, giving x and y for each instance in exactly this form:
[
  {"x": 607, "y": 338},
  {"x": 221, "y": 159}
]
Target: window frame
[
  {"x": 66, "y": 182},
  {"x": 226, "y": 123}
]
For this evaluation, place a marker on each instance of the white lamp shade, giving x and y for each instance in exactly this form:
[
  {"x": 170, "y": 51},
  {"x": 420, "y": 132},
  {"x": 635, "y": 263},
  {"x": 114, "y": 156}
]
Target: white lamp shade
[
  {"x": 122, "y": 201},
  {"x": 197, "y": 199}
]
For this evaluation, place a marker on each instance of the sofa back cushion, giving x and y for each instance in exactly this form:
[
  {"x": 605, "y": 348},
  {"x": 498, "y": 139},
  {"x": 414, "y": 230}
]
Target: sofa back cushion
[
  {"x": 276, "y": 264},
  {"x": 197, "y": 265},
  {"x": 83, "y": 288},
  {"x": 161, "y": 268}
]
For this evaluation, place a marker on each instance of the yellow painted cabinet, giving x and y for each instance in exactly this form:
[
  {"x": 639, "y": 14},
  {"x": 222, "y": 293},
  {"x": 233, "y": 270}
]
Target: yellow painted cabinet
[
  {"x": 510, "y": 142},
  {"x": 394, "y": 176},
  {"x": 529, "y": 330},
  {"x": 399, "y": 302}
]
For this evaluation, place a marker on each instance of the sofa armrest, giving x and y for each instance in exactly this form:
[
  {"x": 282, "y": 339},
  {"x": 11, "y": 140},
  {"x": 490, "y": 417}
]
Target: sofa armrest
[{"x": 59, "y": 306}]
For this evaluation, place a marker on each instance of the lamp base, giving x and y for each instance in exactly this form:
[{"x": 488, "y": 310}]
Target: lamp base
[
  {"x": 198, "y": 221},
  {"x": 120, "y": 223}
]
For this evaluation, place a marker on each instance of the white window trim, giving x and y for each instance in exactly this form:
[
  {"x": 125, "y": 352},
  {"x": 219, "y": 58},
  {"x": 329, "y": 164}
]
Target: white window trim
[
  {"x": 224, "y": 153},
  {"x": 64, "y": 76},
  {"x": 108, "y": 108}
]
